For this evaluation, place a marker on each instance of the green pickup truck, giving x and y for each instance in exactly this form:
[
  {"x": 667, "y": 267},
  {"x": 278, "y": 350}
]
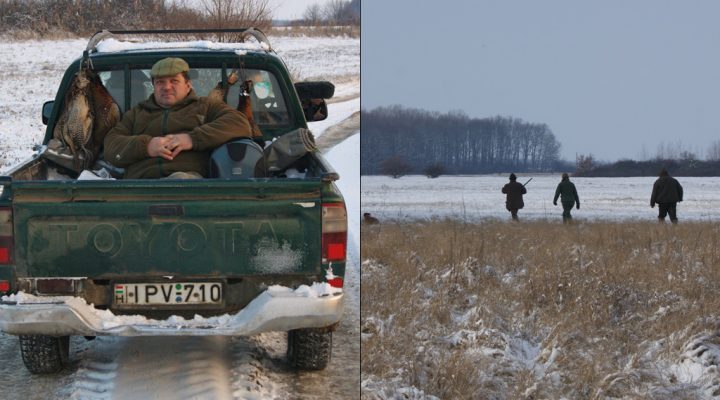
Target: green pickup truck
[{"x": 230, "y": 254}]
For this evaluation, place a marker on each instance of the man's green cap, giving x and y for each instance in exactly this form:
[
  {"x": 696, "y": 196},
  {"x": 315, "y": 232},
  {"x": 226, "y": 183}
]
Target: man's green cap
[{"x": 169, "y": 67}]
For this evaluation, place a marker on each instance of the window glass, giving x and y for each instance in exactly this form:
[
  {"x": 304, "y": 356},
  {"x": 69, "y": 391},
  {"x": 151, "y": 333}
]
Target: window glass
[
  {"x": 205, "y": 79},
  {"x": 268, "y": 104},
  {"x": 140, "y": 85},
  {"x": 114, "y": 82}
]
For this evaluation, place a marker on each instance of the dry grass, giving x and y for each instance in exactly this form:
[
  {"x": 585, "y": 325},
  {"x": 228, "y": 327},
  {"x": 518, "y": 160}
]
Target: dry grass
[
  {"x": 351, "y": 31},
  {"x": 445, "y": 305}
]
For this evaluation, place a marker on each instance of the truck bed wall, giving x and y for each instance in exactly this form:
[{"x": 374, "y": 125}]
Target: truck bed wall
[{"x": 164, "y": 227}]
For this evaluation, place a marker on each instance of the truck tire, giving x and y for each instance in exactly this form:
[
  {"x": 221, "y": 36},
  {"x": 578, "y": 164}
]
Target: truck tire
[
  {"x": 44, "y": 354},
  {"x": 309, "y": 349}
]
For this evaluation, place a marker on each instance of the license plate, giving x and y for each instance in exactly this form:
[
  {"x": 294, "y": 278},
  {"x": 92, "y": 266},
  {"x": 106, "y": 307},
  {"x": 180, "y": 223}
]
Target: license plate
[{"x": 168, "y": 293}]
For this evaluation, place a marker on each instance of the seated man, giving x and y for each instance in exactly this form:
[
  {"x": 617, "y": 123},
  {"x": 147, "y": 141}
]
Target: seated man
[{"x": 172, "y": 133}]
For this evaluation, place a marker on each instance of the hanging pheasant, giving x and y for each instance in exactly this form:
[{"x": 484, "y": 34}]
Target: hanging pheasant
[
  {"x": 105, "y": 111},
  {"x": 88, "y": 115},
  {"x": 219, "y": 93},
  {"x": 245, "y": 105},
  {"x": 74, "y": 126}
]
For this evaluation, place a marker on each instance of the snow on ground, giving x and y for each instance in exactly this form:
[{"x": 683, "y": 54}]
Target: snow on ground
[
  {"x": 478, "y": 197},
  {"x": 198, "y": 367},
  {"x": 313, "y": 65}
]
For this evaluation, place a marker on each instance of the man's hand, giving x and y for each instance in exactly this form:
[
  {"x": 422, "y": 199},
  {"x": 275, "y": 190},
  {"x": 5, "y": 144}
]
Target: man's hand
[
  {"x": 158, "y": 147},
  {"x": 578, "y": 205},
  {"x": 554, "y": 203},
  {"x": 178, "y": 143},
  {"x": 652, "y": 205},
  {"x": 169, "y": 146}
]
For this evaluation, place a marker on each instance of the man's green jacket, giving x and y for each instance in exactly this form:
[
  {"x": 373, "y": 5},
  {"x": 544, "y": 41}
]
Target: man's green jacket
[
  {"x": 209, "y": 124},
  {"x": 567, "y": 193}
]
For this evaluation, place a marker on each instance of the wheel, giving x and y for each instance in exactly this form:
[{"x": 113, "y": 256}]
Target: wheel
[
  {"x": 44, "y": 354},
  {"x": 309, "y": 349}
]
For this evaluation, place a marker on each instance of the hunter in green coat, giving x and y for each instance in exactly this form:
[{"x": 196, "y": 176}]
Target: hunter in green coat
[
  {"x": 568, "y": 197},
  {"x": 173, "y": 131}
]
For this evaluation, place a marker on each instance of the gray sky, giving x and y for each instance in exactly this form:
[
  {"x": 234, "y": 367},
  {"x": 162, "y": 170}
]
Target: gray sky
[{"x": 613, "y": 78}]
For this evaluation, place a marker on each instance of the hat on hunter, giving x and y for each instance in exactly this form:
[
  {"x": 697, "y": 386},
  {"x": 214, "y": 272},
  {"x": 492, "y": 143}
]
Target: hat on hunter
[
  {"x": 513, "y": 177},
  {"x": 169, "y": 67}
]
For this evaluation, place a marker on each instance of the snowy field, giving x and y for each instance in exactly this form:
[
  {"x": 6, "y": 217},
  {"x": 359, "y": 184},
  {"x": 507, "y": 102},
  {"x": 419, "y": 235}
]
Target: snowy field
[
  {"x": 478, "y": 197},
  {"x": 188, "y": 368}
]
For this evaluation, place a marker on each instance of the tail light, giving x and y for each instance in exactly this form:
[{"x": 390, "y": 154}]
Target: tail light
[
  {"x": 334, "y": 232},
  {"x": 6, "y": 236}
]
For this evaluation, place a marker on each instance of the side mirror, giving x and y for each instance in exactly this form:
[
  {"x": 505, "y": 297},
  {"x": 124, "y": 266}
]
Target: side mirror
[
  {"x": 314, "y": 109},
  {"x": 315, "y": 90},
  {"x": 312, "y": 97},
  {"x": 47, "y": 111}
]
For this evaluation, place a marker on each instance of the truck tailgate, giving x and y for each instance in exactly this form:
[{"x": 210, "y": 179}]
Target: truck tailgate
[{"x": 218, "y": 227}]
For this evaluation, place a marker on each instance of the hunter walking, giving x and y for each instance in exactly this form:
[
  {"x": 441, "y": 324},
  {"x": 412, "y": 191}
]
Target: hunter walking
[
  {"x": 514, "y": 192},
  {"x": 667, "y": 192},
  {"x": 568, "y": 197}
]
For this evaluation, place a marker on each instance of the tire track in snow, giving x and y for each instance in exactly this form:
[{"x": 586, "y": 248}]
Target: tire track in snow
[
  {"x": 95, "y": 380},
  {"x": 251, "y": 364},
  {"x": 154, "y": 368},
  {"x": 97, "y": 367},
  {"x": 173, "y": 367}
]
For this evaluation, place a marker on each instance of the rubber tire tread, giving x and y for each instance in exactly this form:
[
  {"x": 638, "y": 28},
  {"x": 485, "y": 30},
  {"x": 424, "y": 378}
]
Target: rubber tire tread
[
  {"x": 310, "y": 349},
  {"x": 44, "y": 354}
]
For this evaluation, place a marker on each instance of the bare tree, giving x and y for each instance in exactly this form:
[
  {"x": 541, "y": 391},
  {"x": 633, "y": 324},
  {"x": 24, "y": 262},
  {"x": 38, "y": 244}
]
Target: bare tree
[
  {"x": 313, "y": 14},
  {"x": 334, "y": 11},
  {"x": 352, "y": 11},
  {"x": 713, "y": 152},
  {"x": 395, "y": 166},
  {"x": 584, "y": 163},
  {"x": 238, "y": 14},
  {"x": 434, "y": 170}
]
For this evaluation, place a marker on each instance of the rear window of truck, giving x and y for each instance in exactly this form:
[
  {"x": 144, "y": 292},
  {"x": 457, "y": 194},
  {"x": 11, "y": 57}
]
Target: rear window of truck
[{"x": 268, "y": 104}]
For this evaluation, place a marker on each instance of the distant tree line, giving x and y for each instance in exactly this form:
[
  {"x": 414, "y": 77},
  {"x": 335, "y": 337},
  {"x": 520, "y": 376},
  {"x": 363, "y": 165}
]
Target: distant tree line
[
  {"x": 417, "y": 141},
  {"x": 334, "y": 12},
  {"x": 671, "y": 156},
  {"x": 48, "y": 18},
  {"x": 587, "y": 166},
  {"x": 66, "y": 18}
]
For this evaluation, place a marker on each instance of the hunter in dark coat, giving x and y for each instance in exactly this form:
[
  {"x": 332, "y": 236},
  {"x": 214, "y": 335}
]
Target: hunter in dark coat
[
  {"x": 667, "y": 192},
  {"x": 568, "y": 197},
  {"x": 514, "y": 192}
]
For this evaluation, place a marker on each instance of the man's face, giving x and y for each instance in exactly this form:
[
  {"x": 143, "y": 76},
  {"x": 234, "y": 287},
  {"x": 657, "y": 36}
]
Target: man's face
[{"x": 171, "y": 89}]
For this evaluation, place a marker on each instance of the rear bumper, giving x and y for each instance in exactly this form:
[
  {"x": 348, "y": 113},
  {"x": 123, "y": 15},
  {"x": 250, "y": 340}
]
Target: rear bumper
[{"x": 267, "y": 312}]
